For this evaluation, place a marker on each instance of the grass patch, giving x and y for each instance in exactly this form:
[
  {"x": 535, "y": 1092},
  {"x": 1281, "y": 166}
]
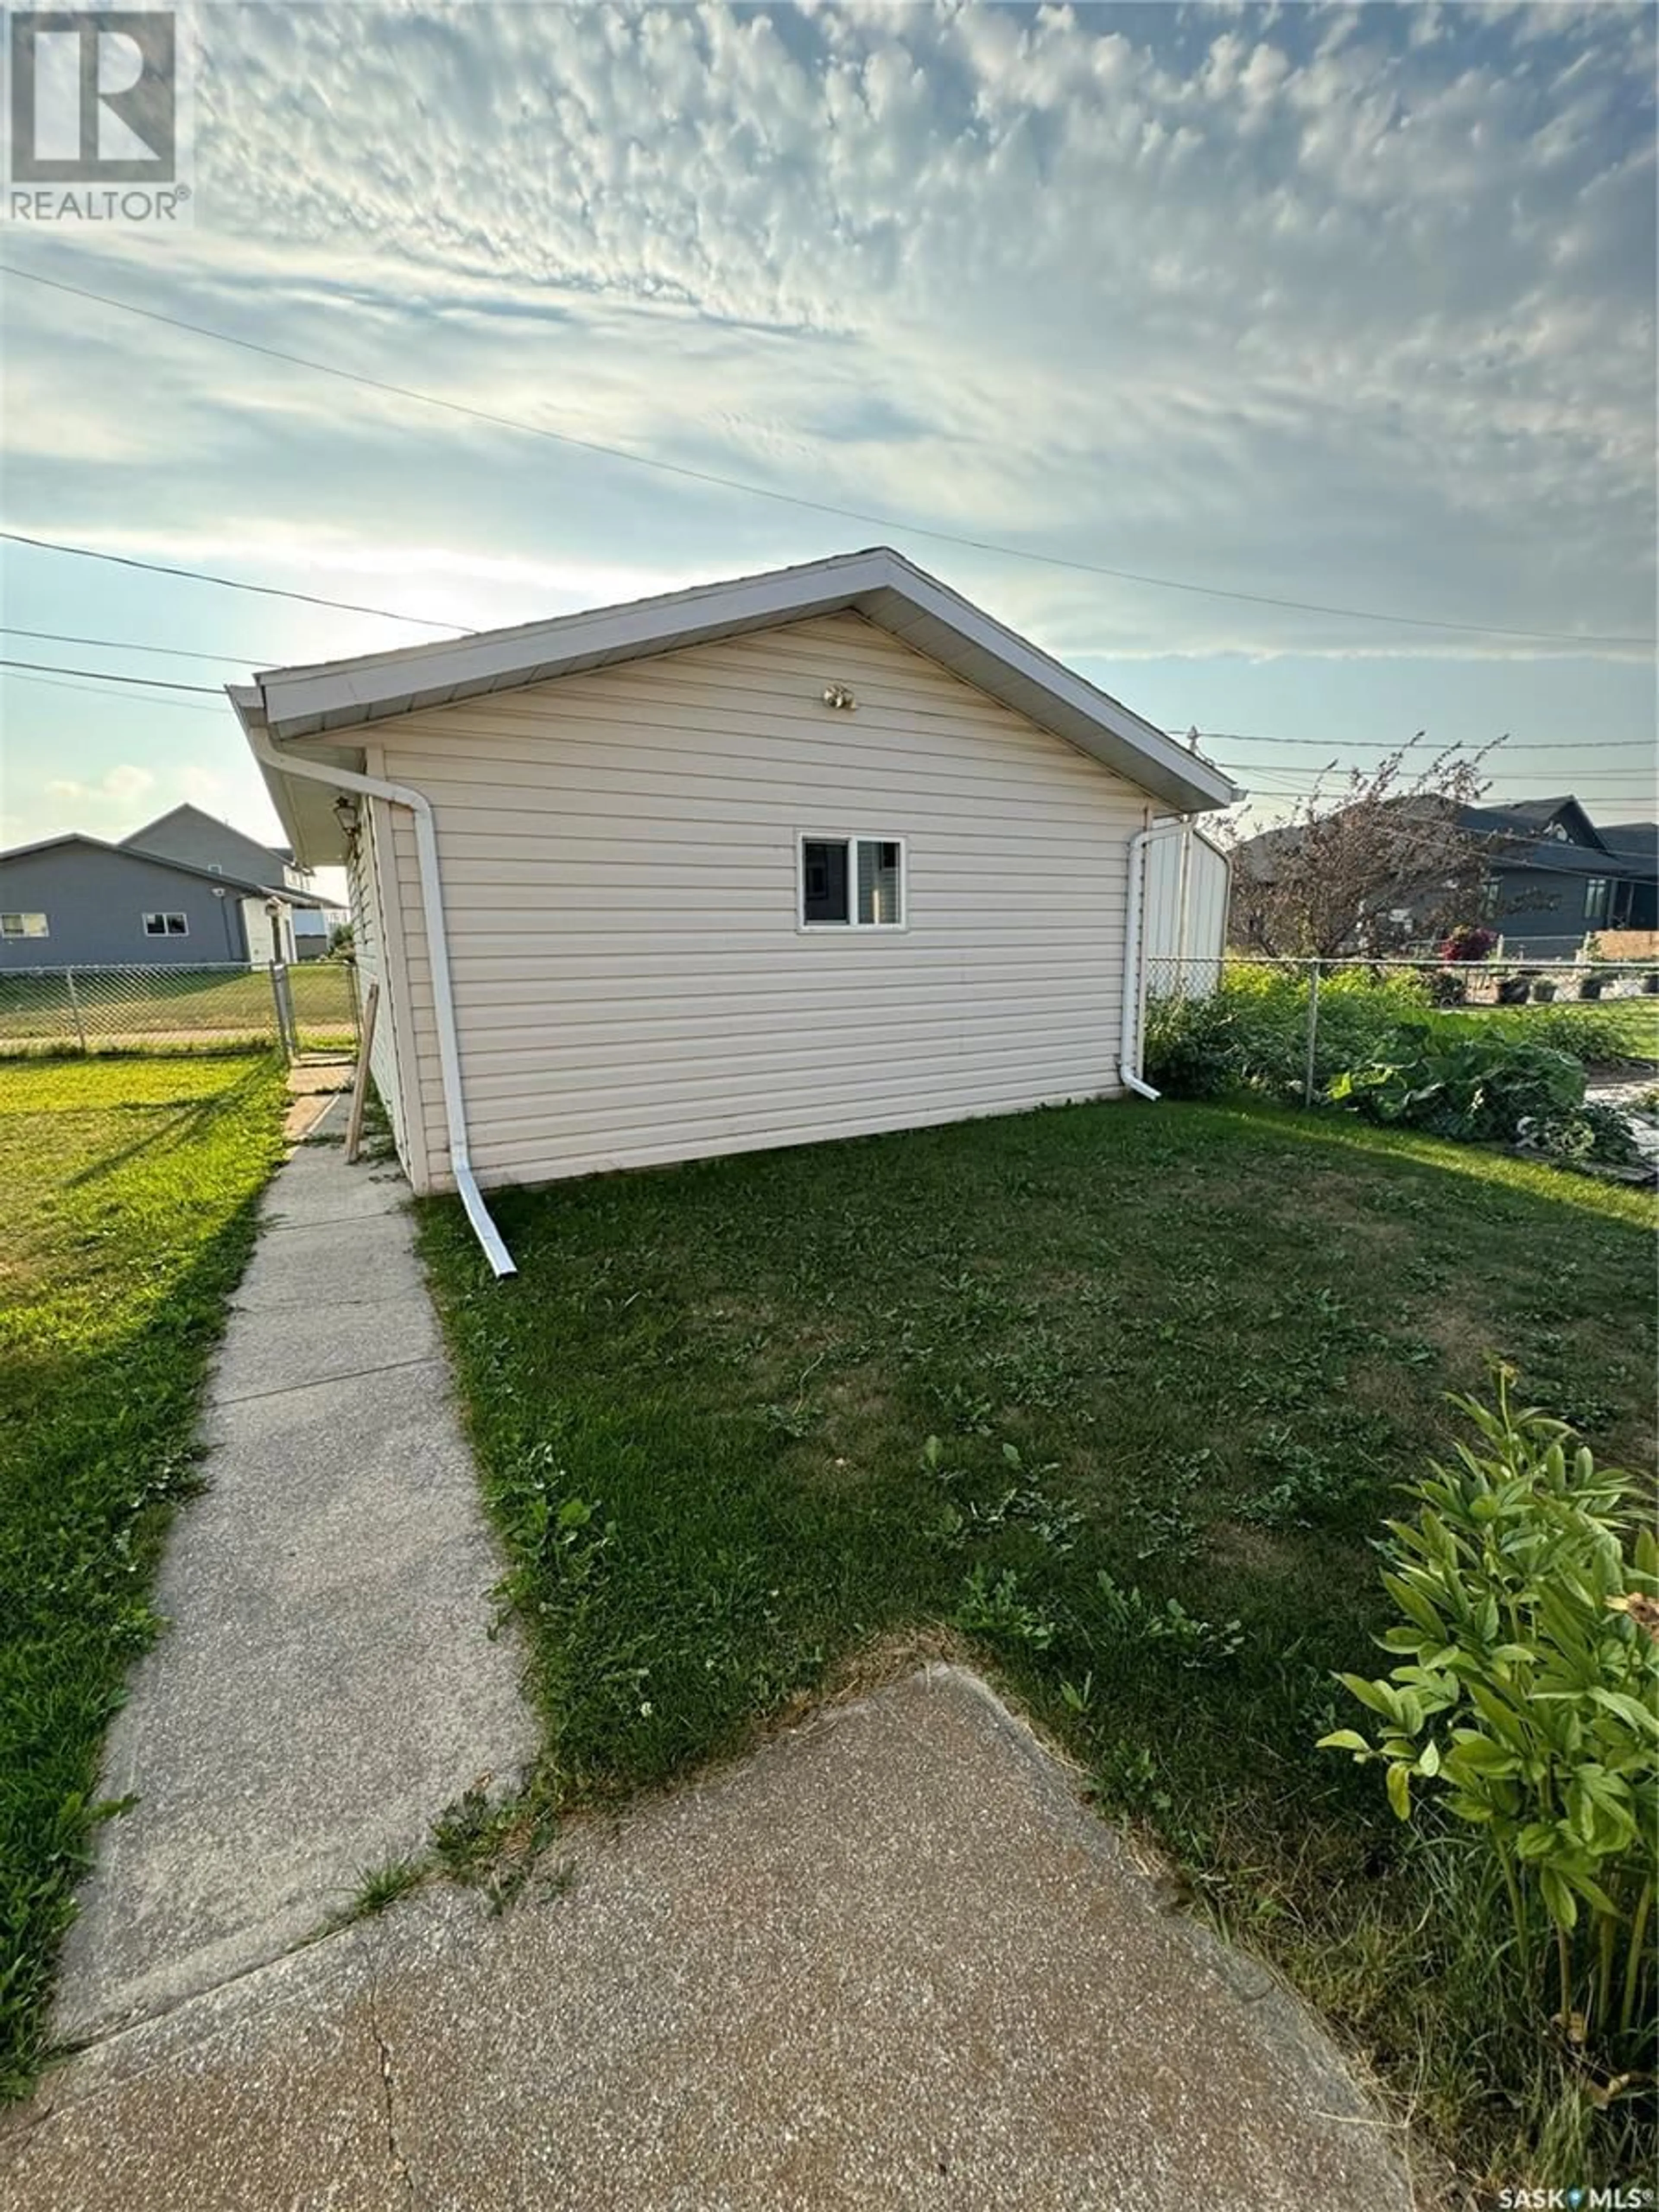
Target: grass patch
[
  {"x": 183, "y": 1008},
  {"x": 127, "y": 1196},
  {"x": 1175, "y": 1361}
]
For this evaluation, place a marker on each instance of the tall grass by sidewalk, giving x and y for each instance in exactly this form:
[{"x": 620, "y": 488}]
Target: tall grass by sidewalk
[
  {"x": 1175, "y": 1361},
  {"x": 127, "y": 1197}
]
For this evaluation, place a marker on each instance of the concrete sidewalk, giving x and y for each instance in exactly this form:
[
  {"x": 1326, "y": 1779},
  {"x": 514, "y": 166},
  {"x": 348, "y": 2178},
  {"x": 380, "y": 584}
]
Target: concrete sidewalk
[
  {"x": 327, "y": 1684},
  {"x": 890, "y": 1961}
]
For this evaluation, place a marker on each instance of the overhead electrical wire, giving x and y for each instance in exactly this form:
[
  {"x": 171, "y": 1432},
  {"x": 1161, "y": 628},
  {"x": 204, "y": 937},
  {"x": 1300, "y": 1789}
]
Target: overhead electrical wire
[
  {"x": 57, "y": 683},
  {"x": 230, "y": 583},
  {"x": 798, "y": 500},
  {"x": 131, "y": 644}
]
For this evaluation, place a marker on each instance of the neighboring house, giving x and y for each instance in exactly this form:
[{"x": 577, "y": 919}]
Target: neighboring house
[
  {"x": 76, "y": 901},
  {"x": 1553, "y": 879},
  {"x": 812, "y": 854},
  {"x": 188, "y": 835}
]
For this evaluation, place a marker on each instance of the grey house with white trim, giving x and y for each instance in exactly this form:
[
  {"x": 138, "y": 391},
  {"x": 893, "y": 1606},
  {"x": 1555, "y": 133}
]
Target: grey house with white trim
[{"x": 76, "y": 901}]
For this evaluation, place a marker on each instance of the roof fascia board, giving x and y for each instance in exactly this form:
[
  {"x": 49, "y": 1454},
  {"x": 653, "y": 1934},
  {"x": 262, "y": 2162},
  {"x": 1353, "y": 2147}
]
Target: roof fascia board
[{"x": 881, "y": 585}]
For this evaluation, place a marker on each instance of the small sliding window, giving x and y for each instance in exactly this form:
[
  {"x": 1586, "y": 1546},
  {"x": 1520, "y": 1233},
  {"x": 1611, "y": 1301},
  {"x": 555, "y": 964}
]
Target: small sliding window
[{"x": 852, "y": 882}]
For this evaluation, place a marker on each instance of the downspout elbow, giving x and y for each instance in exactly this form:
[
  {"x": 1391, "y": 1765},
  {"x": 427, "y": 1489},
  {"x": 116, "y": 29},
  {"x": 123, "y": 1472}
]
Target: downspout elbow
[{"x": 449, "y": 1052}]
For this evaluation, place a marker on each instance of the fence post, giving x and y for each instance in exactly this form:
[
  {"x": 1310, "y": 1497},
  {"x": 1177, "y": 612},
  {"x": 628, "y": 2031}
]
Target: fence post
[
  {"x": 284, "y": 1011},
  {"x": 1313, "y": 1031},
  {"x": 75, "y": 1008}
]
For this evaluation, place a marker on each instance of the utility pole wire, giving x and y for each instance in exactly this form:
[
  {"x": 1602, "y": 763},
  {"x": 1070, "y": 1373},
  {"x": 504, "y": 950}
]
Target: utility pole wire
[{"x": 794, "y": 499}]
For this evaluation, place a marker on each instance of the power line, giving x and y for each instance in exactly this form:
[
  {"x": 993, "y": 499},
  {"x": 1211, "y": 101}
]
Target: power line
[
  {"x": 1337, "y": 744},
  {"x": 131, "y": 644},
  {"x": 793, "y": 498},
  {"x": 231, "y": 583},
  {"x": 55, "y": 683},
  {"x": 1310, "y": 779},
  {"x": 110, "y": 676}
]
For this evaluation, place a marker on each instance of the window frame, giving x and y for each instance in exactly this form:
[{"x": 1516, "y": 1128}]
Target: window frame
[
  {"x": 851, "y": 926},
  {"x": 21, "y": 934},
  {"x": 1598, "y": 899},
  {"x": 164, "y": 915}
]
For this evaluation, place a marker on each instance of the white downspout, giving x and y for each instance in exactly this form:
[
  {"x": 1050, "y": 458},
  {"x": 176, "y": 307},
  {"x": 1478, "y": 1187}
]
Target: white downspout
[
  {"x": 1134, "y": 980},
  {"x": 431, "y": 909}
]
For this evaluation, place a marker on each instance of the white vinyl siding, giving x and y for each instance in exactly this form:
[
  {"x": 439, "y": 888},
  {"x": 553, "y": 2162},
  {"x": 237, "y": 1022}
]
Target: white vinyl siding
[
  {"x": 620, "y": 850},
  {"x": 369, "y": 949}
]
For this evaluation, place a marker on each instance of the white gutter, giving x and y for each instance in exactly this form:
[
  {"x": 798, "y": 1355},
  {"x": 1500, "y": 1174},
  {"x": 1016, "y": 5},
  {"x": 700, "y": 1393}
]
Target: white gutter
[
  {"x": 437, "y": 943},
  {"x": 1134, "y": 976}
]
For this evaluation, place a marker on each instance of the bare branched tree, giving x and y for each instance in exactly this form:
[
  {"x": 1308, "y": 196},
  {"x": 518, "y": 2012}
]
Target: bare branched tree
[{"x": 1368, "y": 863}]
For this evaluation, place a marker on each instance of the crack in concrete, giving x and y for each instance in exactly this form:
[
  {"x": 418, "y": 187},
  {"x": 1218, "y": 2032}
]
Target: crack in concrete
[
  {"x": 319, "y": 1382},
  {"x": 388, "y": 2101}
]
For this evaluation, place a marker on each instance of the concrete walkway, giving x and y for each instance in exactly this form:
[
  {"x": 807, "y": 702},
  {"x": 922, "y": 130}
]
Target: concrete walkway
[
  {"x": 328, "y": 1683},
  {"x": 890, "y": 1961}
]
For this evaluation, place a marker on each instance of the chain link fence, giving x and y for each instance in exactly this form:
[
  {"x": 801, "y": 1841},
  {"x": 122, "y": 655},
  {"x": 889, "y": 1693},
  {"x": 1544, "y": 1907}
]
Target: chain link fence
[
  {"x": 1318, "y": 1017},
  {"x": 308, "y": 1008}
]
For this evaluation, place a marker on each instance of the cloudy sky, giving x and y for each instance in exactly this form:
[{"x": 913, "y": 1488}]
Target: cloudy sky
[{"x": 1353, "y": 306}]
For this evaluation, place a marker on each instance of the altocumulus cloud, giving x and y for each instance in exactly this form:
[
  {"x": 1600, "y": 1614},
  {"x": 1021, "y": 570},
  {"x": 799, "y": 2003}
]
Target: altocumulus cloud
[{"x": 1335, "y": 304}]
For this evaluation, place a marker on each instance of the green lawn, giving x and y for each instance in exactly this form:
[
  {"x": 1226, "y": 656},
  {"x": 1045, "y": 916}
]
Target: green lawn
[
  {"x": 1190, "y": 1349},
  {"x": 1598, "y": 1030},
  {"x": 127, "y": 1195},
  {"x": 206, "y": 1006}
]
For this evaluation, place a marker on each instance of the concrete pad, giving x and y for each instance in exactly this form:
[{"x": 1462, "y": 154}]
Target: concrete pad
[
  {"x": 889, "y": 1961},
  {"x": 316, "y": 1185},
  {"x": 323, "y": 1267},
  {"x": 328, "y": 1681},
  {"x": 301, "y": 1345},
  {"x": 269, "y": 2093}
]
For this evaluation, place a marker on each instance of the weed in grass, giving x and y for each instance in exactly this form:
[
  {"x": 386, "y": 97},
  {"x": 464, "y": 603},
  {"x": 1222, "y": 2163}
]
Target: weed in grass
[
  {"x": 992, "y": 1607},
  {"x": 1128, "y": 1616}
]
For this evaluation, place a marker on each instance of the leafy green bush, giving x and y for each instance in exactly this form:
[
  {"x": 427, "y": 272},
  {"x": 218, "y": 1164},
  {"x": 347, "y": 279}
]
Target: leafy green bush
[
  {"x": 1472, "y": 1087},
  {"x": 1584, "y": 1133},
  {"x": 1194, "y": 1048},
  {"x": 1251, "y": 1032},
  {"x": 1526, "y": 1702}
]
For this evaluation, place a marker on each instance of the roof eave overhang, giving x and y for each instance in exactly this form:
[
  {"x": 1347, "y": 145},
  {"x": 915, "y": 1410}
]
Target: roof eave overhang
[
  {"x": 316, "y": 703},
  {"x": 304, "y": 807}
]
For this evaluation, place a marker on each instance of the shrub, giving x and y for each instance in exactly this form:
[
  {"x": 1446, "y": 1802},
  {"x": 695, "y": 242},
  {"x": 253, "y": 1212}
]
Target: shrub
[
  {"x": 1472, "y": 1085},
  {"x": 1192, "y": 1049},
  {"x": 1592, "y": 1132},
  {"x": 1251, "y": 1032},
  {"x": 1468, "y": 942},
  {"x": 1524, "y": 1701}
]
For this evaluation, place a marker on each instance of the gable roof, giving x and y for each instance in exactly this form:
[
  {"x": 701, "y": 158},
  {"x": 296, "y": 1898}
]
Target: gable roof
[
  {"x": 187, "y": 813},
  {"x": 1520, "y": 846},
  {"x": 879, "y": 584},
  {"x": 129, "y": 852},
  {"x": 1533, "y": 815}
]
